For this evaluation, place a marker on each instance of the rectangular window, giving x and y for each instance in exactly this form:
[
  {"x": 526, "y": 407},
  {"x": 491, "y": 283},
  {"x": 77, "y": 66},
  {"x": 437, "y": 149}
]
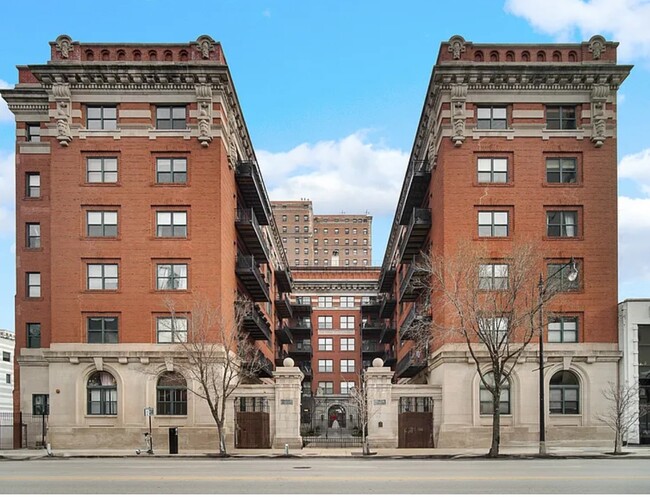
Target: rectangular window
[
  {"x": 101, "y": 117},
  {"x": 494, "y": 330},
  {"x": 6, "y": 356},
  {"x": 101, "y": 169},
  {"x": 491, "y": 118},
  {"x": 33, "y": 132},
  {"x": 40, "y": 404},
  {"x": 563, "y": 329},
  {"x": 102, "y": 277},
  {"x": 33, "y": 285},
  {"x": 8, "y": 378},
  {"x": 33, "y": 185},
  {"x": 33, "y": 235},
  {"x": 493, "y": 223},
  {"x": 347, "y": 344},
  {"x": 171, "y": 330},
  {"x": 562, "y": 224},
  {"x": 284, "y": 218},
  {"x": 493, "y": 276},
  {"x": 347, "y": 365},
  {"x": 324, "y": 322},
  {"x": 172, "y": 224},
  {"x": 296, "y": 217},
  {"x": 325, "y": 365},
  {"x": 560, "y": 117},
  {"x": 33, "y": 335},
  {"x": 171, "y": 276},
  {"x": 492, "y": 170},
  {"x": 171, "y": 117},
  {"x": 102, "y": 329},
  {"x": 324, "y": 301},
  {"x": 347, "y": 301},
  {"x": 325, "y": 387},
  {"x": 101, "y": 224},
  {"x": 171, "y": 170},
  {"x": 326, "y": 344},
  {"x": 558, "y": 277},
  {"x": 347, "y": 322},
  {"x": 346, "y": 387},
  {"x": 562, "y": 170}
]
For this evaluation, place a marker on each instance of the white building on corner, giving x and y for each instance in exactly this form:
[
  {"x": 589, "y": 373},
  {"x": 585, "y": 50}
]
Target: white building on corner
[{"x": 7, "y": 345}]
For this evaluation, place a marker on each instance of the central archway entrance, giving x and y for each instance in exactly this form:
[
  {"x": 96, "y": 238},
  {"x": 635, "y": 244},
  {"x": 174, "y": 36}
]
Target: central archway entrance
[{"x": 336, "y": 413}]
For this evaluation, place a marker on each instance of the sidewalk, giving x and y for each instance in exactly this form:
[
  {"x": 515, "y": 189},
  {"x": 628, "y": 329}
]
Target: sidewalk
[{"x": 528, "y": 451}]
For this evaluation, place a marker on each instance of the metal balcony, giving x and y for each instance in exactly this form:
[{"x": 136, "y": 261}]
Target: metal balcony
[
  {"x": 250, "y": 275},
  {"x": 255, "y": 323},
  {"x": 411, "y": 364},
  {"x": 386, "y": 280},
  {"x": 283, "y": 306},
  {"x": 415, "y": 317},
  {"x": 305, "y": 367},
  {"x": 252, "y": 190},
  {"x": 300, "y": 348},
  {"x": 407, "y": 291},
  {"x": 387, "y": 306},
  {"x": 283, "y": 280},
  {"x": 388, "y": 333},
  {"x": 371, "y": 349},
  {"x": 300, "y": 327},
  {"x": 417, "y": 182},
  {"x": 265, "y": 367},
  {"x": 370, "y": 307},
  {"x": 283, "y": 335},
  {"x": 301, "y": 307},
  {"x": 415, "y": 234},
  {"x": 371, "y": 328},
  {"x": 389, "y": 357},
  {"x": 251, "y": 233}
]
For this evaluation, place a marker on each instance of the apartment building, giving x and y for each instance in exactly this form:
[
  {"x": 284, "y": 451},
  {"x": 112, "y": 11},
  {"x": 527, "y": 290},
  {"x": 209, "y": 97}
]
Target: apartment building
[
  {"x": 515, "y": 143},
  {"x": 323, "y": 240},
  {"x": 137, "y": 186},
  {"x": 7, "y": 349}
]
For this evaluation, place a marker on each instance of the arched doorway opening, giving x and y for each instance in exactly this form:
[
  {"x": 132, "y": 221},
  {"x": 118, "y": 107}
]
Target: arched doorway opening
[{"x": 336, "y": 413}]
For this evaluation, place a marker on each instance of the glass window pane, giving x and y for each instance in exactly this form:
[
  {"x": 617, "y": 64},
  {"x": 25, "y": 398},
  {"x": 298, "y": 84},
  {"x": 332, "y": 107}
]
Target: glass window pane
[
  {"x": 180, "y": 218},
  {"x": 499, "y": 112},
  {"x": 110, "y": 270},
  {"x": 110, "y": 164},
  {"x": 110, "y": 112},
  {"x": 94, "y": 164},
  {"x": 484, "y": 218},
  {"x": 178, "y": 113},
  {"x": 483, "y": 113},
  {"x": 94, "y": 270},
  {"x": 164, "y": 164},
  {"x": 164, "y": 218},
  {"x": 110, "y": 217},
  {"x": 500, "y": 164},
  {"x": 94, "y": 112},
  {"x": 484, "y": 164},
  {"x": 94, "y": 217},
  {"x": 500, "y": 218},
  {"x": 163, "y": 112}
]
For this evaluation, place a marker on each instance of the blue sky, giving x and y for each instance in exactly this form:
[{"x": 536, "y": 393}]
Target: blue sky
[{"x": 334, "y": 89}]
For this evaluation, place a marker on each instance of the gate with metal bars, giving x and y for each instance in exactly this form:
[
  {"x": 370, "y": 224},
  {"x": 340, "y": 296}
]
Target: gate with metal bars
[
  {"x": 253, "y": 427},
  {"x": 22, "y": 430}
]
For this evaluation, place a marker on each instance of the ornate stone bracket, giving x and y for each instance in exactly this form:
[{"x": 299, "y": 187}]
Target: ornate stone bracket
[
  {"x": 64, "y": 46},
  {"x": 456, "y": 46},
  {"x": 458, "y": 98},
  {"x": 599, "y": 94},
  {"x": 204, "y": 100},
  {"x": 597, "y": 46},
  {"x": 63, "y": 99},
  {"x": 232, "y": 148}
]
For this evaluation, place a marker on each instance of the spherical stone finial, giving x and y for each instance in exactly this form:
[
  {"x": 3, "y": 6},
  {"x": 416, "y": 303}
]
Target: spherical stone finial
[
  {"x": 288, "y": 362},
  {"x": 377, "y": 362}
]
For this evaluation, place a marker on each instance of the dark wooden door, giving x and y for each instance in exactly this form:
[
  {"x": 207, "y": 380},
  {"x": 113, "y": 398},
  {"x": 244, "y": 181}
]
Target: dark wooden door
[
  {"x": 415, "y": 430},
  {"x": 253, "y": 430}
]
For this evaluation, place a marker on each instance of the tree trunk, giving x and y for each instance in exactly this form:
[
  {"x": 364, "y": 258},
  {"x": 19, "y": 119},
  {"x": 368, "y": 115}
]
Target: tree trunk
[
  {"x": 222, "y": 439},
  {"x": 496, "y": 423},
  {"x": 618, "y": 443}
]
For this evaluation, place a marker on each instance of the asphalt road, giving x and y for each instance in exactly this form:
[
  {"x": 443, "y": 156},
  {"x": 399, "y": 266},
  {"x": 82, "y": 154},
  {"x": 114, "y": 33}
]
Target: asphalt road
[{"x": 304, "y": 475}]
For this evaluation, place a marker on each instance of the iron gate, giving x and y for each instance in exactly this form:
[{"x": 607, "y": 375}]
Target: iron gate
[
  {"x": 415, "y": 422},
  {"x": 252, "y": 423},
  {"x": 22, "y": 430}
]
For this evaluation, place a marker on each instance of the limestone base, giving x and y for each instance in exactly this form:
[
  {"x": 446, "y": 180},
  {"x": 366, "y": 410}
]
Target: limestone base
[{"x": 293, "y": 442}]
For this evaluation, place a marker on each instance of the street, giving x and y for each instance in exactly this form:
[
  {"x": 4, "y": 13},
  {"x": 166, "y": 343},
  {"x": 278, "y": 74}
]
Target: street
[{"x": 323, "y": 475}]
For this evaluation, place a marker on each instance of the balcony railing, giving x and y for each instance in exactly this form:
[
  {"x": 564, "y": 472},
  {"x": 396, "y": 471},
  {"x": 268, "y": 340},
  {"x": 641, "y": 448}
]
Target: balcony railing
[
  {"x": 370, "y": 306},
  {"x": 300, "y": 348},
  {"x": 386, "y": 280},
  {"x": 388, "y": 333},
  {"x": 414, "y": 320},
  {"x": 300, "y": 326},
  {"x": 283, "y": 335},
  {"x": 414, "y": 361},
  {"x": 305, "y": 367},
  {"x": 252, "y": 189},
  {"x": 254, "y": 322},
  {"x": 416, "y": 182},
  {"x": 283, "y": 306},
  {"x": 372, "y": 348},
  {"x": 302, "y": 306},
  {"x": 283, "y": 279},
  {"x": 409, "y": 288},
  {"x": 387, "y": 306},
  {"x": 252, "y": 235},
  {"x": 371, "y": 327},
  {"x": 415, "y": 234},
  {"x": 249, "y": 273},
  {"x": 389, "y": 357},
  {"x": 264, "y": 366}
]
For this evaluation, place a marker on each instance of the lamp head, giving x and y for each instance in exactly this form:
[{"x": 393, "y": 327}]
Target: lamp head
[{"x": 573, "y": 270}]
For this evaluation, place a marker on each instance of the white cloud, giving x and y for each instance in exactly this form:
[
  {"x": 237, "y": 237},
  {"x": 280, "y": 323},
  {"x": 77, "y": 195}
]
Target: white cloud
[
  {"x": 349, "y": 175},
  {"x": 5, "y": 113},
  {"x": 634, "y": 239},
  {"x": 637, "y": 168},
  {"x": 7, "y": 192},
  {"x": 625, "y": 21}
]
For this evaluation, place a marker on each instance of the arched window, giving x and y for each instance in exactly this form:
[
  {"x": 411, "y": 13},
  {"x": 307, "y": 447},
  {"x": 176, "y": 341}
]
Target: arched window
[
  {"x": 102, "y": 394},
  {"x": 565, "y": 393},
  {"x": 485, "y": 396},
  {"x": 171, "y": 394},
  {"x": 510, "y": 56},
  {"x": 525, "y": 56},
  {"x": 478, "y": 56}
]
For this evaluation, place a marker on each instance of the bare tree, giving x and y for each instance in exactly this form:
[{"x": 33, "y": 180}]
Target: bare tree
[
  {"x": 217, "y": 355},
  {"x": 622, "y": 412},
  {"x": 359, "y": 400},
  {"x": 492, "y": 306}
]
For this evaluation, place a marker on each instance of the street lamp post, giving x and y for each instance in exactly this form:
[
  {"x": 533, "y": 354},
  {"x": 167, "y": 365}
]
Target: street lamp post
[{"x": 542, "y": 287}]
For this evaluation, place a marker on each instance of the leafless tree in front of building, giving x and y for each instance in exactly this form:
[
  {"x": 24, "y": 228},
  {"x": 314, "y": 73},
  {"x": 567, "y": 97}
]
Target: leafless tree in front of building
[
  {"x": 358, "y": 399},
  {"x": 622, "y": 412}
]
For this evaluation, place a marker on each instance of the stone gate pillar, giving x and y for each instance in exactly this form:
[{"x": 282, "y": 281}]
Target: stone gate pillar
[
  {"x": 382, "y": 425},
  {"x": 288, "y": 385}
]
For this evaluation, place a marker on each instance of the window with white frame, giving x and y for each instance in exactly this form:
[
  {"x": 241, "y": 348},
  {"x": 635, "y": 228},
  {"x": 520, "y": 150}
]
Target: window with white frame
[
  {"x": 325, "y": 344},
  {"x": 347, "y": 365},
  {"x": 347, "y": 344},
  {"x": 491, "y": 117},
  {"x": 346, "y": 387},
  {"x": 33, "y": 285},
  {"x": 493, "y": 276},
  {"x": 171, "y": 170},
  {"x": 325, "y": 322},
  {"x": 347, "y": 322},
  {"x": 563, "y": 329},
  {"x": 347, "y": 301},
  {"x": 492, "y": 170},
  {"x": 101, "y": 224},
  {"x": 33, "y": 185},
  {"x": 171, "y": 276},
  {"x": 102, "y": 277},
  {"x": 33, "y": 235},
  {"x": 325, "y": 387},
  {"x": 324, "y": 301},
  {"x": 171, "y": 330},
  {"x": 101, "y": 170},
  {"x": 171, "y": 224},
  {"x": 325, "y": 365},
  {"x": 493, "y": 223}
]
